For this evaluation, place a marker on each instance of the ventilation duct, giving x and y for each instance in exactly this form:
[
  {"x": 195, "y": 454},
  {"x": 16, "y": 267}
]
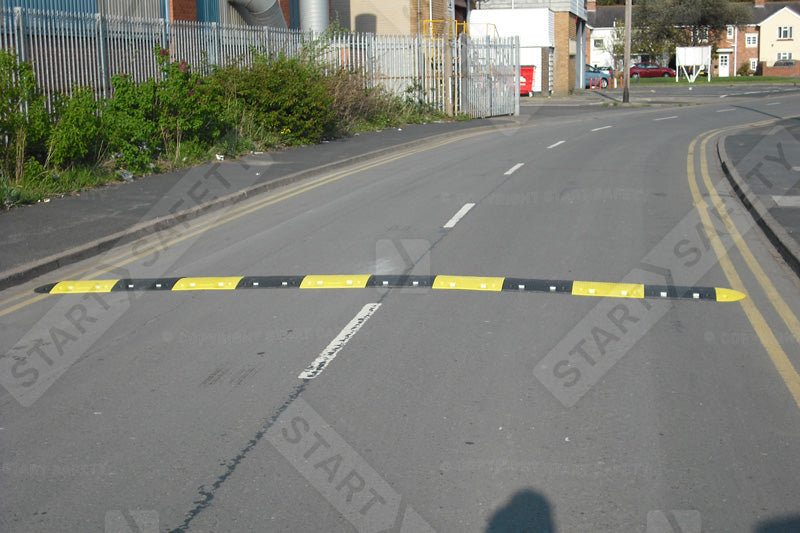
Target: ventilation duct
[
  {"x": 261, "y": 12},
  {"x": 314, "y": 15}
]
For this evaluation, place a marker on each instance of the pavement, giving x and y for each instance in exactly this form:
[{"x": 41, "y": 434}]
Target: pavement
[
  {"x": 763, "y": 166},
  {"x": 40, "y": 238}
]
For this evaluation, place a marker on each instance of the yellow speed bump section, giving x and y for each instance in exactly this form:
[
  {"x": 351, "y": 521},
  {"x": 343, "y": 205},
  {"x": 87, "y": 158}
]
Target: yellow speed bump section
[
  {"x": 468, "y": 283},
  {"x": 207, "y": 284},
  {"x": 609, "y": 290},
  {"x": 84, "y": 286},
  {"x": 358, "y": 281},
  {"x": 729, "y": 295}
]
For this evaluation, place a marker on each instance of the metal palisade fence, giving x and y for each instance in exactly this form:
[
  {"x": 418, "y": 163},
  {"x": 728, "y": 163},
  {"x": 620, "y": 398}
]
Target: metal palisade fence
[{"x": 456, "y": 76}]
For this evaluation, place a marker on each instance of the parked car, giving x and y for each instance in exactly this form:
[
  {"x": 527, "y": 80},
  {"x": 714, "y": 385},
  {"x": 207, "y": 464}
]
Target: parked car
[
  {"x": 651, "y": 70},
  {"x": 595, "y": 77},
  {"x": 784, "y": 63}
]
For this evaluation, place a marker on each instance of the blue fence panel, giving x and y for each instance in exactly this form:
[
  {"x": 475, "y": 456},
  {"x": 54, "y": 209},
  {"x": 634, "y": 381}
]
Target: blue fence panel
[
  {"x": 207, "y": 10},
  {"x": 70, "y": 6}
]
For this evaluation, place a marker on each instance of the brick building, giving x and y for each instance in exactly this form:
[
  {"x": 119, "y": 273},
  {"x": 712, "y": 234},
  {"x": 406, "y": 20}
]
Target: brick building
[
  {"x": 399, "y": 17},
  {"x": 755, "y": 47}
]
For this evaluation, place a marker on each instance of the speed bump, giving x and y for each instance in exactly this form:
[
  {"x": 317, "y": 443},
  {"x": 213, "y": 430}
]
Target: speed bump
[{"x": 361, "y": 281}]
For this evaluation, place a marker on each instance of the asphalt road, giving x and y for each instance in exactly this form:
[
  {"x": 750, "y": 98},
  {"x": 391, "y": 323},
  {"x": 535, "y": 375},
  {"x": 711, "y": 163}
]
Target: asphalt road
[{"x": 442, "y": 410}]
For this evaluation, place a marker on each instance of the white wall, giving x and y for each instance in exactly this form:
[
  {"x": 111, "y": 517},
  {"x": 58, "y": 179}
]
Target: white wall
[
  {"x": 577, "y": 7},
  {"x": 535, "y": 27},
  {"x": 601, "y": 57}
]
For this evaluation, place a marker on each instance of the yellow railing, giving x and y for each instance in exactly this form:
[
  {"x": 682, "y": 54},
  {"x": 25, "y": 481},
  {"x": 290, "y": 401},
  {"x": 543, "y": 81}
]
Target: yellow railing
[{"x": 450, "y": 28}]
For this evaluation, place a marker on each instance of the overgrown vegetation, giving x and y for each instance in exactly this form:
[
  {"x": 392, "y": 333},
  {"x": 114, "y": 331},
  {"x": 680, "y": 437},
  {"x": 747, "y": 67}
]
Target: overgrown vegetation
[{"x": 180, "y": 118}]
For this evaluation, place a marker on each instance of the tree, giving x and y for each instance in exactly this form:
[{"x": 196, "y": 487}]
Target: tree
[
  {"x": 616, "y": 44},
  {"x": 661, "y": 25},
  {"x": 655, "y": 27}
]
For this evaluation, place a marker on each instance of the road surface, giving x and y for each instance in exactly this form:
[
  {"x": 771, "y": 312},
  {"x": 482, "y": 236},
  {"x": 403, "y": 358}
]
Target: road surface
[{"x": 429, "y": 410}]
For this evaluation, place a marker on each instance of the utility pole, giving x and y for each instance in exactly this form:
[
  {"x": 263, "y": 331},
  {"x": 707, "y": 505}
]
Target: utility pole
[{"x": 626, "y": 61}]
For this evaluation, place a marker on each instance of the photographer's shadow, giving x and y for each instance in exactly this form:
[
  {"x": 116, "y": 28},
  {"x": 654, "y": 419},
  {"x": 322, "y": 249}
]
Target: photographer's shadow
[{"x": 526, "y": 512}]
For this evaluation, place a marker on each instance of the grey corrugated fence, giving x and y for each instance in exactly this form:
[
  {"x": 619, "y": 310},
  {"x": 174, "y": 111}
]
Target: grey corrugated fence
[{"x": 67, "y": 50}]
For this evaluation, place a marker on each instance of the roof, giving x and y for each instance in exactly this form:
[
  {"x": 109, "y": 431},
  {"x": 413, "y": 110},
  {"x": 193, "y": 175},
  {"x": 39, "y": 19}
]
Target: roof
[
  {"x": 604, "y": 16},
  {"x": 761, "y": 14}
]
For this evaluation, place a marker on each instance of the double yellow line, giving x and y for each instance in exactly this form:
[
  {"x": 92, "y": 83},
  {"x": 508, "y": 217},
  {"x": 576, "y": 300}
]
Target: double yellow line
[
  {"x": 762, "y": 329},
  {"x": 128, "y": 255}
]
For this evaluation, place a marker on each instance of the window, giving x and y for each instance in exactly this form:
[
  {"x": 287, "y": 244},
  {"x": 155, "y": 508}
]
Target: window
[
  {"x": 784, "y": 55},
  {"x": 784, "y": 32},
  {"x": 754, "y": 65},
  {"x": 598, "y": 43},
  {"x": 751, "y": 39},
  {"x": 730, "y": 32}
]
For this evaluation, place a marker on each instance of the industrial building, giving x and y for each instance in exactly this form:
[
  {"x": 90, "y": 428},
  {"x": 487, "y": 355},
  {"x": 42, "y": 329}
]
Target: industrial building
[{"x": 373, "y": 16}]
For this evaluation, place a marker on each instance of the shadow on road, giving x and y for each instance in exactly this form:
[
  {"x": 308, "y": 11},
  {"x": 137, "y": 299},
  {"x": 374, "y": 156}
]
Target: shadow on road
[
  {"x": 790, "y": 524},
  {"x": 527, "y": 512}
]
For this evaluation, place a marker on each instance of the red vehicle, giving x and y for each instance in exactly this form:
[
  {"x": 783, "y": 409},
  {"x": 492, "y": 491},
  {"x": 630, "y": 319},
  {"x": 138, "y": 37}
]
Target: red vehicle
[{"x": 651, "y": 70}]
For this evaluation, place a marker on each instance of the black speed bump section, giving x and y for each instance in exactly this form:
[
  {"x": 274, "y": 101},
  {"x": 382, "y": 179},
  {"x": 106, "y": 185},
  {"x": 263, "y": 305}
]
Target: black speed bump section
[
  {"x": 361, "y": 281},
  {"x": 270, "y": 282}
]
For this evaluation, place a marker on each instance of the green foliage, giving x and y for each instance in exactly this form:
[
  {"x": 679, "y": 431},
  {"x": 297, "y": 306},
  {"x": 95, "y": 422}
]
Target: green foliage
[
  {"x": 131, "y": 122},
  {"x": 185, "y": 109},
  {"x": 178, "y": 119},
  {"x": 152, "y": 120},
  {"x": 744, "y": 69},
  {"x": 77, "y": 134},
  {"x": 24, "y": 120},
  {"x": 287, "y": 97}
]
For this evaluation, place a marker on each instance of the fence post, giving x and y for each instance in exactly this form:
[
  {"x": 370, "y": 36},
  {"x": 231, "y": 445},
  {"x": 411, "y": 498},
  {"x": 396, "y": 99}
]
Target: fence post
[
  {"x": 22, "y": 35},
  {"x": 517, "y": 74},
  {"x": 448, "y": 74},
  {"x": 463, "y": 41},
  {"x": 102, "y": 60},
  {"x": 164, "y": 42},
  {"x": 373, "y": 61},
  {"x": 216, "y": 60}
]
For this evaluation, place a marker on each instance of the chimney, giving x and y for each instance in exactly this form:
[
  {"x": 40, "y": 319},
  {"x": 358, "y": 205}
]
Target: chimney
[
  {"x": 759, "y": 3},
  {"x": 591, "y": 5}
]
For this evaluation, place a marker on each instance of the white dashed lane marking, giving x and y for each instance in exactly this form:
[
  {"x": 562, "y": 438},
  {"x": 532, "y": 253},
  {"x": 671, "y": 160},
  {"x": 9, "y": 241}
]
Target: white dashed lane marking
[
  {"x": 458, "y": 216},
  {"x": 332, "y": 350},
  {"x": 514, "y": 169}
]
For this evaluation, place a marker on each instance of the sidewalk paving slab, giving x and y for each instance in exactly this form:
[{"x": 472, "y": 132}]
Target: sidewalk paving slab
[{"x": 763, "y": 165}]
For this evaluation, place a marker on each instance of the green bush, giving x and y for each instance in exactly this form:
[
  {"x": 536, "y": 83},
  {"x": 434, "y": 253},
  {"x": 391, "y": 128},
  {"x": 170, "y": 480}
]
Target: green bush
[
  {"x": 131, "y": 122},
  {"x": 179, "y": 118},
  {"x": 77, "y": 135},
  {"x": 186, "y": 110},
  {"x": 24, "y": 120},
  {"x": 744, "y": 69},
  {"x": 287, "y": 97}
]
